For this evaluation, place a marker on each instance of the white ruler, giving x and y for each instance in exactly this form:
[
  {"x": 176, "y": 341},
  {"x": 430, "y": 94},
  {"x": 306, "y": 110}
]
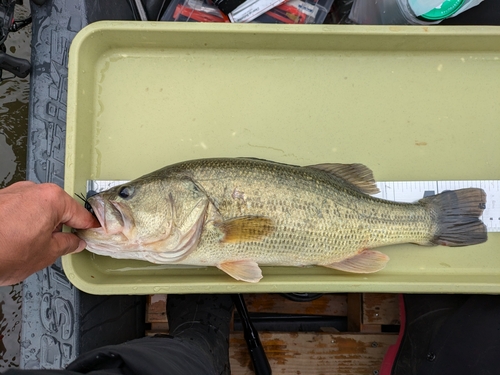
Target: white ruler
[
  {"x": 411, "y": 191},
  {"x": 403, "y": 191}
]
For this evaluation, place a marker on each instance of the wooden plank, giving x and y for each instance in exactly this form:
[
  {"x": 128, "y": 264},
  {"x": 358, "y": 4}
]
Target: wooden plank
[
  {"x": 328, "y": 304},
  {"x": 309, "y": 353},
  {"x": 381, "y": 309},
  {"x": 354, "y": 316},
  {"x": 156, "y": 308},
  {"x": 361, "y": 309},
  {"x": 303, "y": 352},
  {"x": 314, "y": 353}
]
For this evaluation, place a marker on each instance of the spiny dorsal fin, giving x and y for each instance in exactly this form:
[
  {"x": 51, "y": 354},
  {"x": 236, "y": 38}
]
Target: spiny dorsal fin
[
  {"x": 367, "y": 261},
  {"x": 246, "y": 229},
  {"x": 356, "y": 174},
  {"x": 244, "y": 270}
]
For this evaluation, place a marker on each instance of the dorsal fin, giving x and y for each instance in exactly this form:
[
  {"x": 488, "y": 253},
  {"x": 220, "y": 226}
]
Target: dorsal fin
[{"x": 356, "y": 174}]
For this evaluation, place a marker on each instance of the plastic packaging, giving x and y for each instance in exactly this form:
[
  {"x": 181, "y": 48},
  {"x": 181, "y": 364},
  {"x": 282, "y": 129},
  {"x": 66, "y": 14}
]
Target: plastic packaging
[
  {"x": 407, "y": 12},
  {"x": 298, "y": 11},
  {"x": 251, "y": 9},
  {"x": 193, "y": 11},
  {"x": 291, "y": 12}
]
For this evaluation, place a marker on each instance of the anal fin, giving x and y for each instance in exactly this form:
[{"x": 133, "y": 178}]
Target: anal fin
[
  {"x": 244, "y": 270},
  {"x": 367, "y": 261}
]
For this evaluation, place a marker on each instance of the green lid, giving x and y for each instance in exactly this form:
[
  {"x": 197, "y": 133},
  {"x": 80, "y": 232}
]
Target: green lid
[{"x": 445, "y": 10}]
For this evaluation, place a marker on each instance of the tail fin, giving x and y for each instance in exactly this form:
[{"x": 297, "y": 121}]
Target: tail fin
[{"x": 457, "y": 213}]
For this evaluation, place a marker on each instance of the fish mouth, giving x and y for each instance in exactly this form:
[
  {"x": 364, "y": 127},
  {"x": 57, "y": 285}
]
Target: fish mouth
[{"x": 108, "y": 214}]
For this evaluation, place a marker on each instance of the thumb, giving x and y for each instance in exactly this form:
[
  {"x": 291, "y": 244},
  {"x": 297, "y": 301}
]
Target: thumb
[{"x": 66, "y": 243}]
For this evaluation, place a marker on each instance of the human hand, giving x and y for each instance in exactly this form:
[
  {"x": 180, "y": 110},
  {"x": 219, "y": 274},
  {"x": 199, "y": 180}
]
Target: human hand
[{"x": 31, "y": 217}]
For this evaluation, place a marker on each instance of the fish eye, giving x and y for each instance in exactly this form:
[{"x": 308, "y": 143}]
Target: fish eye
[{"x": 126, "y": 192}]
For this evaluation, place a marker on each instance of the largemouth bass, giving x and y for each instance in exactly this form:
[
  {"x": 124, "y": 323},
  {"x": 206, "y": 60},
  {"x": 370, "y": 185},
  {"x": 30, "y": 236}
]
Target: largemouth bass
[{"x": 237, "y": 214}]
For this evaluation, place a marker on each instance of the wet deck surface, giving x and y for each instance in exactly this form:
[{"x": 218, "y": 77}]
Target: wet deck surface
[
  {"x": 14, "y": 96},
  {"x": 10, "y": 326}
]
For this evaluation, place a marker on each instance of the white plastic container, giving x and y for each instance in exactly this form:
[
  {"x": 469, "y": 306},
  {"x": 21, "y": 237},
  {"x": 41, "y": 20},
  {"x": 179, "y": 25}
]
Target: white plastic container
[
  {"x": 142, "y": 95},
  {"x": 407, "y": 12}
]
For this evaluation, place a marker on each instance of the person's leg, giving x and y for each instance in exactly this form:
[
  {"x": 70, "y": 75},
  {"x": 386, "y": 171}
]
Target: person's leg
[
  {"x": 144, "y": 356},
  {"x": 199, "y": 344},
  {"x": 203, "y": 319}
]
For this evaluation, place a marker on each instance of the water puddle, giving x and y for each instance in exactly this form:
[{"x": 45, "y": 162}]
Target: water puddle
[
  {"x": 10, "y": 326},
  {"x": 13, "y": 136},
  {"x": 14, "y": 97}
]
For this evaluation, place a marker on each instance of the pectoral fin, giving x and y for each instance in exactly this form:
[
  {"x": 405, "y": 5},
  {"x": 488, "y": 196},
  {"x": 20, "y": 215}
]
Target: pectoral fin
[
  {"x": 367, "y": 261},
  {"x": 246, "y": 229},
  {"x": 244, "y": 270}
]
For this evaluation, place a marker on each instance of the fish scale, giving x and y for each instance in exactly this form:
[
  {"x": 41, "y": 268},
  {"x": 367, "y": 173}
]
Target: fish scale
[
  {"x": 331, "y": 243},
  {"x": 402, "y": 191},
  {"x": 242, "y": 213}
]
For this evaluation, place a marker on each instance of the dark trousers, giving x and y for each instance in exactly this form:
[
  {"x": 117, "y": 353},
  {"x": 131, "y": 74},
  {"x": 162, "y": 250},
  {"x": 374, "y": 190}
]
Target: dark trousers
[{"x": 199, "y": 344}]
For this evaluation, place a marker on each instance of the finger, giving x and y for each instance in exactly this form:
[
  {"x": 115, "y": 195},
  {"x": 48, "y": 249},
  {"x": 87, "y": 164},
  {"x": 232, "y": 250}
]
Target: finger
[
  {"x": 66, "y": 243},
  {"x": 22, "y": 184},
  {"x": 77, "y": 216},
  {"x": 81, "y": 246},
  {"x": 19, "y": 185},
  {"x": 68, "y": 210}
]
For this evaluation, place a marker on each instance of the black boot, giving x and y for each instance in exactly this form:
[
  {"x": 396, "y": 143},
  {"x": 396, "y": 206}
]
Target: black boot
[
  {"x": 450, "y": 334},
  {"x": 203, "y": 320}
]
